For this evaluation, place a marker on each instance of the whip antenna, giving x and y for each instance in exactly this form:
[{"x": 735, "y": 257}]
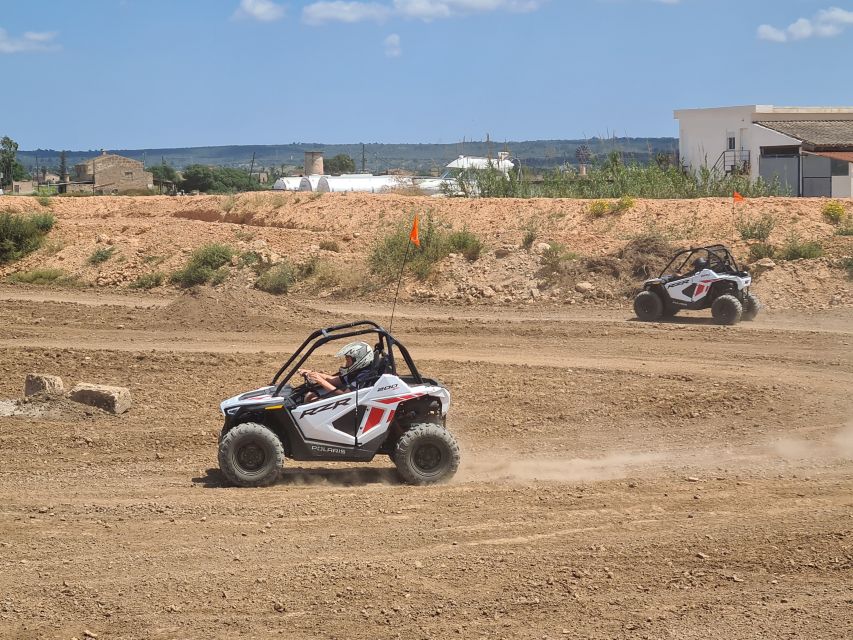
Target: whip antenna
[{"x": 413, "y": 239}]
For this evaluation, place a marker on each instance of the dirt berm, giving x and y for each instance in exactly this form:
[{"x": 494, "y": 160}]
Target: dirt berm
[{"x": 612, "y": 252}]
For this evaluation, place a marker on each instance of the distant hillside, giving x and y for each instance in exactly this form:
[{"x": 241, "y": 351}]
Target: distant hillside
[{"x": 418, "y": 158}]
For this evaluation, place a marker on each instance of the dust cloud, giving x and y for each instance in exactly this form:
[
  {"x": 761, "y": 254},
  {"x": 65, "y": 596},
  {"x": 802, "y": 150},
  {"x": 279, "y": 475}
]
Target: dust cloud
[{"x": 506, "y": 467}]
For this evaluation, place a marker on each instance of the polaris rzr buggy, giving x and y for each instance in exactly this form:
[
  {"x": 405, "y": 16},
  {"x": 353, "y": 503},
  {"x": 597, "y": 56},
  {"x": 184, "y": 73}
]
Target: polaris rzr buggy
[
  {"x": 705, "y": 277},
  {"x": 401, "y": 416}
]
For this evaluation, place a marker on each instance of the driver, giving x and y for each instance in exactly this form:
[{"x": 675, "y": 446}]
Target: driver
[{"x": 358, "y": 358}]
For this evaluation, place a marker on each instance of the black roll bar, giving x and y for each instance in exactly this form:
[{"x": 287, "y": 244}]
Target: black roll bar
[{"x": 337, "y": 332}]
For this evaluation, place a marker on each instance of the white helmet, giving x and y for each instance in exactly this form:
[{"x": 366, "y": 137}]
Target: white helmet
[{"x": 361, "y": 354}]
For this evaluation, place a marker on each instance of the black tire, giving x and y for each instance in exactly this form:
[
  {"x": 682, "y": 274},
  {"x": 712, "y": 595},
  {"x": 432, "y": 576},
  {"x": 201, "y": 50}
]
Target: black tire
[
  {"x": 426, "y": 454},
  {"x": 648, "y": 306},
  {"x": 726, "y": 309},
  {"x": 670, "y": 310},
  {"x": 251, "y": 455},
  {"x": 751, "y": 307}
]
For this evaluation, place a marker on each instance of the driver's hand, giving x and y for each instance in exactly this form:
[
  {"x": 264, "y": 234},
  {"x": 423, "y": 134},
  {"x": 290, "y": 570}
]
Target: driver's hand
[{"x": 313, "y": 377}]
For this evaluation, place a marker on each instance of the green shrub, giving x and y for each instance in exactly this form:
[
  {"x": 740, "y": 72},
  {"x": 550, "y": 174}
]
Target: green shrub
[
  {"x": 599, "y": 208},
  {"x": 39, "y": 276},
  {"x": 277, "y": 279},
  {"x": 386, "y": 257},
  {"x": 191, "y": 275},
  {"x": 20, "y": 235},
  {"x": 44, "y": 201},
  {"x": 466, "y": 243},
  {"x": 531, "y": 232},
  {"x": 847, "y": 264},
  {"x": 845, "y": 229},
  {"x": 148, "y": 281},
  {"x": 250, "y": 259},
  {"x": 761, "y": 250},
  {"x": 833, "y": 211},
  {"x": 624, "y": 204},
  {"x": 329, "y": 245},
  {"x": 756, "y": 228},
  {"x": 555, "y": 257},
  {"x": 213, "y": 256},
  {"x": 219, "y": 276},
  {"x": 797, "y": 249},
  {"x": 100, "y": 255}
]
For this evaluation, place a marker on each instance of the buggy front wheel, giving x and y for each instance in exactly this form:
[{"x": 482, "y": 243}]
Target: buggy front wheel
[
  {"x": 648, "y": 306},
  {"x": 251, "y": 455},
  {"x": 426, "y": 454}
]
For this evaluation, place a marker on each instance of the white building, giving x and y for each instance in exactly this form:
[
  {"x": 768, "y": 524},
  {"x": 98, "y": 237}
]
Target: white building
[{"x": 809, "y": 149}]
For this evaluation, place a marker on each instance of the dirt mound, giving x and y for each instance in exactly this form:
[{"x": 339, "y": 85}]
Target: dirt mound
[
  {"x": 337, "y": 232},
  {"x": 47, "y": 407},
  {"x": 231, "y": 310}
]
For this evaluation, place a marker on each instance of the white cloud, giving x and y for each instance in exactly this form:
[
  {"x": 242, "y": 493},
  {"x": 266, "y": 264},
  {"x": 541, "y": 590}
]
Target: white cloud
[
  {"x": 766, "y": 32},
  {"x": 350, "y": 12},
  {"x": 393, "y": 47},
  {"x": 827, "y": 23},
  {"x": 30, "y": 41},
  {"x": 261, "y": 10}
]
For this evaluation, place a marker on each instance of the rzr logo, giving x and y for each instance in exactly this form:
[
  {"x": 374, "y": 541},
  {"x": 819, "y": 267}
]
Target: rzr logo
[{"x": 332, "y": 405}]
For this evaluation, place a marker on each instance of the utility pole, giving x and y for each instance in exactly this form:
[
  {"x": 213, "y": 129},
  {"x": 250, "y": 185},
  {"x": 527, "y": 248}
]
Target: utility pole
[
  {"x": 362, "y": 158},
  {"x": 252, "y": 166}
]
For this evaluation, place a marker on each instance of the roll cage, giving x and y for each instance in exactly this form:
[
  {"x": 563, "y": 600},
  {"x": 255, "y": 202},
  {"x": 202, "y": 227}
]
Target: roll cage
[
  {"x": 384, "y": 345},
  {"x": 720, "y": 259}
]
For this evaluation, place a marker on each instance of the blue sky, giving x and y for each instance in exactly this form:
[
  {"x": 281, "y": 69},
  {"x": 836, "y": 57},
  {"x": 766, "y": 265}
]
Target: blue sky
[{"x": 168, "y": 73}]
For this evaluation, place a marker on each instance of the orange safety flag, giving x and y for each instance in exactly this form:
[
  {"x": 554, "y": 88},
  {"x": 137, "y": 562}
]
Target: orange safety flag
[
  {"x": 413, "y": 236},
  {"x": 737, "y": 197}
]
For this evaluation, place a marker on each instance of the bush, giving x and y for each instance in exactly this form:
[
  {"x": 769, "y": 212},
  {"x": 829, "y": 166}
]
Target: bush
[
  {"x": 797, "y": 249},
  {"x": 555, "y": 257},
  {"x": 39, "y": 276},
  {"x": 847, "y": 264},
  {"x": 624, "y": 204},
  {"x": 599, "y": 208},
  {"x": 531, "y": 232},
  {"x": 761, "y": 250},
  {"x": 756, "y": 228},
  {"x": 20, "y": 235},
  {"x": 101, "y": 255},
  {"x": 219, "y": 276},
  {"x": 277, "y": 279},
  {"x": 386, "y": 257},
  {"x": 213, "y": 256},
  {"x": 329, "y": 245},
  {"x": 845, "y": 229},
  {"x": 203, "y": 264},
  {"x": 466, "y": 243},
  {"x": 44, "y": 201},
  {"x": 148, "y": 281},
  {"x": 833, "y": 211}
]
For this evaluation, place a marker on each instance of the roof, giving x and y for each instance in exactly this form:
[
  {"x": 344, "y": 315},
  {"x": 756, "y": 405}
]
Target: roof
[
  {"x": 818, "y": 134},
  {"x": 844, "y": 156}
]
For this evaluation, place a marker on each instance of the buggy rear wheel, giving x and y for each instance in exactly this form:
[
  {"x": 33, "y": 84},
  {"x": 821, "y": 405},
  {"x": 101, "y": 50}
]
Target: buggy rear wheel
[
  {"x": 726, "y": 309},
  {"x": 648, "y": 306},
  {"x": 751, "y": 307},
  {"x": 251, "y": 455},
  {"x": 426, "y": 454}
]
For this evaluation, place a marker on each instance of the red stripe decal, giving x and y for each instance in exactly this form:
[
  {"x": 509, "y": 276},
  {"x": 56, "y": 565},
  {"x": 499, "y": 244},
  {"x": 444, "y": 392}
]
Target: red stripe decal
[{"x": 373, "y": 419}]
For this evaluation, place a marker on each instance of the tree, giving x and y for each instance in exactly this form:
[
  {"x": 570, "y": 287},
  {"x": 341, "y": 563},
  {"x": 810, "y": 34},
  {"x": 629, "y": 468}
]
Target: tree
[
  {"x": 163, "y": 172},
  {"x": 63, "y": 165},
  {"x": 217, "y": 179},
  {"x": 8, "y": 154},
  {"x": 341, "y": 163}
]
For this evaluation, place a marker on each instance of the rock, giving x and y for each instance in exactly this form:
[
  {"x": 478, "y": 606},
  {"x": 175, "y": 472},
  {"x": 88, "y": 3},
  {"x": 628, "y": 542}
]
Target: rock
[
  {"x": 535, "y": 294},
  {"x": 488, "y": 292},
  {"x": 584, "y": 287},
  {"x": 40, "y": 383},
  {"x": 541, "y": 247},
  {"x": 113, "y": 399},
  {"x": 765, "y": 264}
]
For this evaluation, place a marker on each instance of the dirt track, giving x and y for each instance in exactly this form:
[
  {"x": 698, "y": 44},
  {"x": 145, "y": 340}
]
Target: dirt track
[{"x": 619, "y": 480}]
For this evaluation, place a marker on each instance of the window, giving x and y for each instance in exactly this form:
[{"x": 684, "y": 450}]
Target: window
[
  {"x": 731, "y": 143},
  {"x": 128, "y": 174},
  {"x": 840, "y": 168}
]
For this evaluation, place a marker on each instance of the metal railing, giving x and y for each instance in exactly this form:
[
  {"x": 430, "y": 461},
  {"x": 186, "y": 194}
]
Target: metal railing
[{"x": 733, "y": 161}]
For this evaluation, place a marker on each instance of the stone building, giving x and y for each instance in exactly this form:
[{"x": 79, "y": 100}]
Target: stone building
[{"x": 109, "y": 173}]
